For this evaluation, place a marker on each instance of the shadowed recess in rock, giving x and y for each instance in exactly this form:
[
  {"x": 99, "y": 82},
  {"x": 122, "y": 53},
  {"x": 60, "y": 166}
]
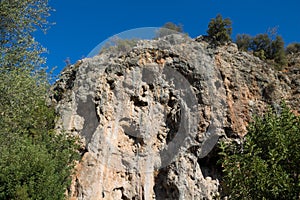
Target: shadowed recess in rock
[
  {"x": 163, "y": 188},
  {"x": 87, "y": 110}
]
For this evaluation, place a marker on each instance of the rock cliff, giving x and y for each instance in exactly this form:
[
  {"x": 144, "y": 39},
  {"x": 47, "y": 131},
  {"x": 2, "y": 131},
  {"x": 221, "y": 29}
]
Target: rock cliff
[{"x": 149, "y": 118}]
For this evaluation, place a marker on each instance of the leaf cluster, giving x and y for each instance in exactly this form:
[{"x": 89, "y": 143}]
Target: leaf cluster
[{"x": 266, "y": 164}]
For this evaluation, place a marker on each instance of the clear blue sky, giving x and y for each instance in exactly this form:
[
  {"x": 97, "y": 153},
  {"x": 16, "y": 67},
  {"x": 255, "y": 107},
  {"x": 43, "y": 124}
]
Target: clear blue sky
[{"x": 82, "y": 25}]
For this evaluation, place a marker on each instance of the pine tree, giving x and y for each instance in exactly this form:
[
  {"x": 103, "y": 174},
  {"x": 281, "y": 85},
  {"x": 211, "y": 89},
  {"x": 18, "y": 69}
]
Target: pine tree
[{"x": 219, "y": 30}]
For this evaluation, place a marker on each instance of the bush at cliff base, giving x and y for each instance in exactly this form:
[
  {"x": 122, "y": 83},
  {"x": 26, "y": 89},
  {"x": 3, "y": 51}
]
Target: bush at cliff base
[
  {"x": 35, "y": 163},
  {"x": 266, "y": 164}
]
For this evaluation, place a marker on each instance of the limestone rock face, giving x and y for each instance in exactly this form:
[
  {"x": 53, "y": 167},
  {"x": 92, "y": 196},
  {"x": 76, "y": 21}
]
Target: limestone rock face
[{"x": 149, "y": 119}]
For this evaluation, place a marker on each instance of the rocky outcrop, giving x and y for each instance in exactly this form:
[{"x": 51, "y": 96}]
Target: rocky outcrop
[{"x": 150, "y": 118}]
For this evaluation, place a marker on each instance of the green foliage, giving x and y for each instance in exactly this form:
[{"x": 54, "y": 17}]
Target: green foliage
[
  {"x": 35, "y": 162},
  {"x": 243, "y": 41},
  {"x": 35, "y": 170},
  {"x": 278, "y": 52},
  {"x": 117, "y": 45},
  {"x": 261, "y": 46},
  {"x": 169, "y": 28},
  {"x": 264, "y": 47},
  {"x": 266, "y": 164},
  {"x": 19, "y": 19},
  {"x": 174, "y": 27},
  {"x": 293, "y": 48},
  {"x": 219, "y": 30},
  {"x": 22, "y": 104}
]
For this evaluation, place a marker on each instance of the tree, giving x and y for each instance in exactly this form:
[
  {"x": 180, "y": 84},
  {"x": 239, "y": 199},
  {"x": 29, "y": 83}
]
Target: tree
[
  {"x": 265, "y": 46},
  {"x": 266, "y": 164},
  {"x": 243, "y": 41},
  {"x": 35, "y": 162},
  {"x": 278, "y": 51},
  {"x": 219, "y": 30},
  {"x": 18, "y": 20},
  {"x": 261, "y": 45}
]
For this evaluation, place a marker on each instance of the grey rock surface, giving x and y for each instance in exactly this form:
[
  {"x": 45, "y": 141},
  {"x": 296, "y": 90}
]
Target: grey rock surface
[{"x": 150, "y": 119}]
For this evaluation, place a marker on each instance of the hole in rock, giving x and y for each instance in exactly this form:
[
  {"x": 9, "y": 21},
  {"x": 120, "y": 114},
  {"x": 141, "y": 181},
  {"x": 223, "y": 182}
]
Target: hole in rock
[
  {"x": 230, "y": 133},
  {"x": 163, "y": 188},
  {"x": 209, "y": 164},
  {"x": 137, "y": 102},
  {"x": 136, "y": 140},
  {"x": 88, "y": 111}
]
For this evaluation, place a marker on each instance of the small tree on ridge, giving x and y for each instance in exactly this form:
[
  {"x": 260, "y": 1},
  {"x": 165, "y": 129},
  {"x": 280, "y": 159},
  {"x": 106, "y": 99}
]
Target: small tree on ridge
[{"x": 219, "y": 30}]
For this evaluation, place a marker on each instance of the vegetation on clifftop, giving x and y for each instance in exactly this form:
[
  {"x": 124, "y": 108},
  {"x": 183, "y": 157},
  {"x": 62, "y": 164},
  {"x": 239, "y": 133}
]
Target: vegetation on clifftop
[
  {"x": 264, "y": 46},
  {"x": 267, "y": 46},
  {"x": 219, "y": 30}
]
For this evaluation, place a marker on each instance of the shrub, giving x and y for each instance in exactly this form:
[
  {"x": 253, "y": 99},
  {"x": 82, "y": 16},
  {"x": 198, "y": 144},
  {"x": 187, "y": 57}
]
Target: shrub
[
  {"x": 293, "y": 48},
  {"x": 35, "y": 170},
  {"x": 35, "y": 163},
  {"x": 168, "y": 29},
  {"x": 118, "y": 45},
  {"x": 266, "y": 164},
  {"x": 174, "y": 27}
]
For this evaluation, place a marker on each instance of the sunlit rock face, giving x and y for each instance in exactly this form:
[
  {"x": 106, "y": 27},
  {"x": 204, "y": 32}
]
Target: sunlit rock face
[{"x": 149, "y": 118}]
